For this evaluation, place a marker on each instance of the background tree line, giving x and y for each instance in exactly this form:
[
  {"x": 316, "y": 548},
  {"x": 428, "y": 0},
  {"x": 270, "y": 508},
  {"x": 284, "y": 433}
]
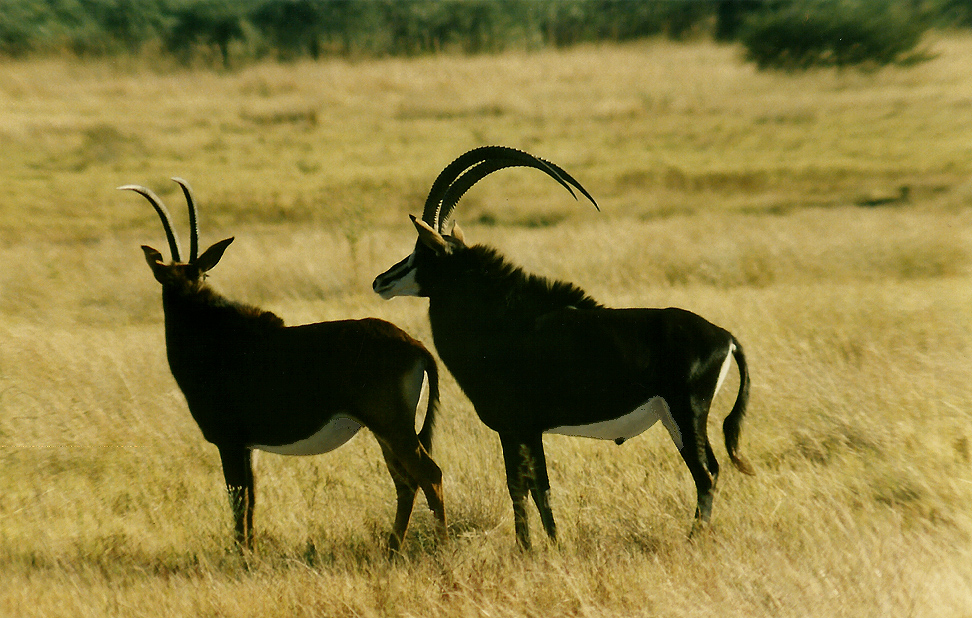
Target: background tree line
[{"x": 789, "y": 34}]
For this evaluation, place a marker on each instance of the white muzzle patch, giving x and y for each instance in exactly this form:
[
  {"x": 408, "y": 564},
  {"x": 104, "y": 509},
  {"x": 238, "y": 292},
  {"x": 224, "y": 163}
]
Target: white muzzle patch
[{"x": 399, "y": 280}]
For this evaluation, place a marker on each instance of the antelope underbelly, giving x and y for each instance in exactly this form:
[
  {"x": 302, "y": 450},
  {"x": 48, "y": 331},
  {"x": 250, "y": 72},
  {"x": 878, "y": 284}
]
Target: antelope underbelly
[
  {"x": 336, "y": 432},
  {"x": 627, "y": 426}
]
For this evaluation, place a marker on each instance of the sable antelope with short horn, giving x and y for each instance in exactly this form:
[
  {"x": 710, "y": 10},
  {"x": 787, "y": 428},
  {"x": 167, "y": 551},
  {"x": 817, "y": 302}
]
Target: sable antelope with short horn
[
  {"x": 253, "y": 383},
  {"x": 537, "y": 356}
]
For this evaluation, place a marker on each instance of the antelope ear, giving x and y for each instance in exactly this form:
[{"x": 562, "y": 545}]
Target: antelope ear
[
  {"x": 152, "y": 256},
  {"x": 457, "y": 233},
  {"x": 429, "y": 237},
  {"x": 155, "y": 261},
  {"x": 211, "y": 256}
]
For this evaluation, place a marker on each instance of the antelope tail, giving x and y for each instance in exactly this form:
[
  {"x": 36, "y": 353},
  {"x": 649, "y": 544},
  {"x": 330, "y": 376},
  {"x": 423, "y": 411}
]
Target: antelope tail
[{"x": 732, "y": 426}]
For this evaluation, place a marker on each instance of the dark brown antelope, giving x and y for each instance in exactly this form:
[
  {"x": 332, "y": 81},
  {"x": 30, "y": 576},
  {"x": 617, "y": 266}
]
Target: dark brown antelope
[
  {"x": 253, "y": 383},
  {"x": 537, "y": 356}
]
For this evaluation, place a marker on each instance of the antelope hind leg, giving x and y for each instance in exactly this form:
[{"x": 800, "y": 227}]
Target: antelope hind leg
[
  {"x": 406, "y": 487},
  {"x": 418, "y": 465}
]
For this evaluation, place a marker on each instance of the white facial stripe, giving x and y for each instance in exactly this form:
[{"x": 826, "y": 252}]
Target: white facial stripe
[
  {"x": 725, "y": 369},
  {"x": 336, "y": 432},
  {"x": 399, "y": 280},
  {"x": 627, "y": 426}
]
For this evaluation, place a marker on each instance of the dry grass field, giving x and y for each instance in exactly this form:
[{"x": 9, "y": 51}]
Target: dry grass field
[{"x": 725, "y": 191}]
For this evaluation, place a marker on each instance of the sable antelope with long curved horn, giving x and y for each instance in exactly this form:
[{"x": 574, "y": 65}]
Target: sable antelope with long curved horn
[
  {"x": 253, "y": 383},
  {"x": 536, "y": 356}
]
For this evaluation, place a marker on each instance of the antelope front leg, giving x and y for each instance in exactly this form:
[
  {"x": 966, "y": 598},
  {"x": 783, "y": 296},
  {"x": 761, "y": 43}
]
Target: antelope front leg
[
  {"x": 541, "y": 485},
  {"x": 519, "y": 480},
  {"x": 238, "y": 473}
]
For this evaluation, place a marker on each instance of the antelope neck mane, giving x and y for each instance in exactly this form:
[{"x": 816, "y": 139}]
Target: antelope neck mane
[
  {"x": 204, "y": 298},
  {"x": 524, "y": 292}
]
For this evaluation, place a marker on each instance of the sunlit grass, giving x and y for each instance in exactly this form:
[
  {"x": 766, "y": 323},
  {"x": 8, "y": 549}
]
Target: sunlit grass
[
  {"x": 723, "y": 190},
  {"x": 655, "y": 128}
]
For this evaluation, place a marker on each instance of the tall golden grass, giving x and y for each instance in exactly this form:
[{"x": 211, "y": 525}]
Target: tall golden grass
[{"x": 723, "y": 190}]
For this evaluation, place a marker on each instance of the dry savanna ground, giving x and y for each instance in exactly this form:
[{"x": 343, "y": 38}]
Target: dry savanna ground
[{"x": 726, "y": 191}]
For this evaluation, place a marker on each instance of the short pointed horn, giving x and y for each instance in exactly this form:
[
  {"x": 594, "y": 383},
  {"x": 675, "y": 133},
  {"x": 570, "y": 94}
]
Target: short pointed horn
[
  {"x": 193, "y": 225},
  {"x": 164, "y": 215},
  {"x": 471, "y": 167}
]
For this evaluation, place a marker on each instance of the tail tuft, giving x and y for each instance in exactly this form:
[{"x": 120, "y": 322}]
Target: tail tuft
[{"x": 742, "y": 464}]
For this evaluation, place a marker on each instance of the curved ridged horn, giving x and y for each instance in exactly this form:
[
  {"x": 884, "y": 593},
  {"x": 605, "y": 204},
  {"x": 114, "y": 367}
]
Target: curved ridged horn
[
  {"x": 471, "y": 167},
  {"x": 160, "y": 208},
  {"x": 193, "y": 225}
]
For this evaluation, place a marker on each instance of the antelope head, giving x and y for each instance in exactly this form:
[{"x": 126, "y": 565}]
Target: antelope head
[
  {"x": 438, "y": 234},
  {"x": 178, "y": 274}
]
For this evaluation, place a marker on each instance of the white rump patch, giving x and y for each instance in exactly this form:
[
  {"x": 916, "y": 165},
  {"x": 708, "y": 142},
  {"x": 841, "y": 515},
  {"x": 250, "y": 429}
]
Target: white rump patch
[
  {"x": 725, "y": 369},
  {"x": 336, "y": 432},
  {"x": 414, "y": 386},
  {"x": 628, "y": 426}
]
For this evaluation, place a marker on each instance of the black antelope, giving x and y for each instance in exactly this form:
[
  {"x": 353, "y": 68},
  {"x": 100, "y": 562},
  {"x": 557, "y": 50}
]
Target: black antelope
[
  {"x": 253, "y": 383},
  {"x": 537, "y": 356}
]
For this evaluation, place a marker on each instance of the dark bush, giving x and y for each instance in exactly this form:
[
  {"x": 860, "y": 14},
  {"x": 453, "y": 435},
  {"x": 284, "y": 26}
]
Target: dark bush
[
  {"x": 298, "y": 27},
  {"x": 123, "y": 25},
  {"x": 210, "y": 23},
  {"x": 567, "y": 23},
  {"x": 801, "y": 34},
  {"x": 954, "y": 13},
  {"x": 731, "y": 15}
]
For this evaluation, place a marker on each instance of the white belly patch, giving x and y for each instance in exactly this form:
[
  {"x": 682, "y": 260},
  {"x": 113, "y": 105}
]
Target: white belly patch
[
  {"x": 336, "y": 432},
  {"x": 627, "y": 426}
]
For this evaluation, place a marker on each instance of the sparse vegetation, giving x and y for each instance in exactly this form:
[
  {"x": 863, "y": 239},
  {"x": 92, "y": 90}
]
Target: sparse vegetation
[
  {"x": 212, "y": 32},
  {"x": 790, "y": 34},
  {"x": 724, "y": 190}
]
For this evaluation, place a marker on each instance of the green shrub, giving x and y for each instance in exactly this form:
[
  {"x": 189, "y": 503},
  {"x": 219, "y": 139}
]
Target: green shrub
[
  {"x": 801, "y": 34},
  {"x": 17, "y": 30}
]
